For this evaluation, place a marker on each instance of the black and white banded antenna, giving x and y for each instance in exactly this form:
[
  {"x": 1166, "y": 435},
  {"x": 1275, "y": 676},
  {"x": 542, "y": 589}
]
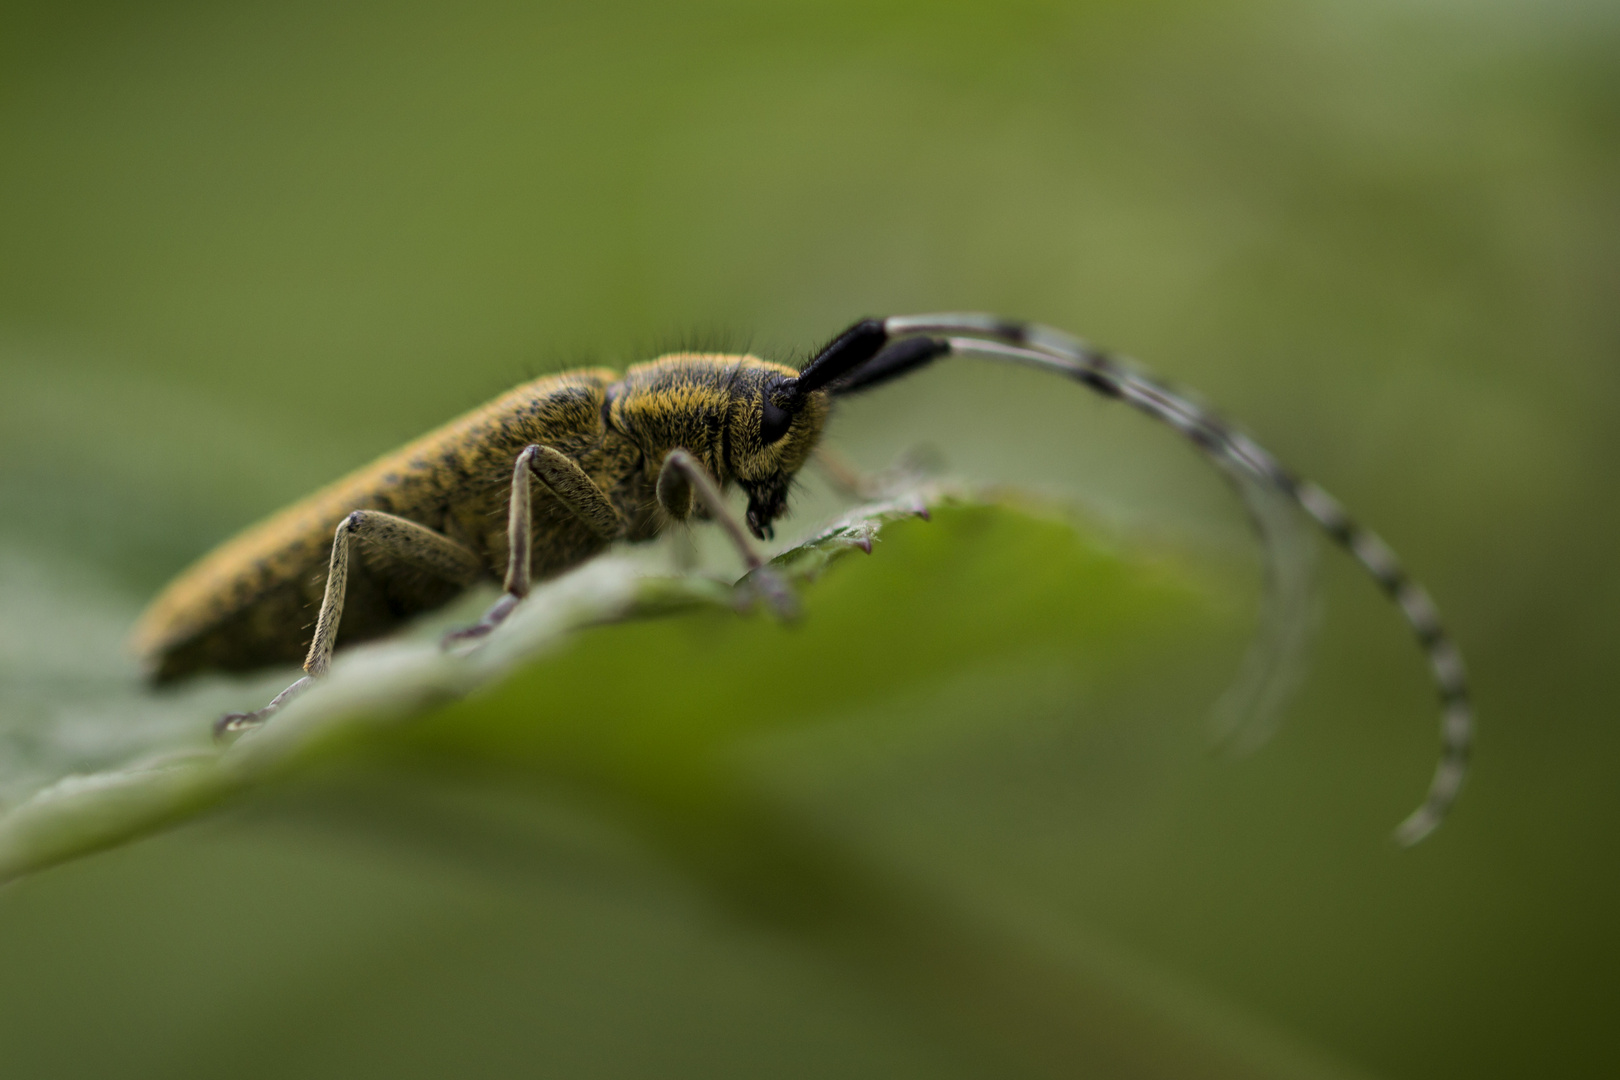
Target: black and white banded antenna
[{"x": 874, "y": 351}]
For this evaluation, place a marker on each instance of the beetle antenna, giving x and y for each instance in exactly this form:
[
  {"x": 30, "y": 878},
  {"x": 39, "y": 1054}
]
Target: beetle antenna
[
  {"x": 1270, "y": 492},
  {"x": 843, "y": 354}
]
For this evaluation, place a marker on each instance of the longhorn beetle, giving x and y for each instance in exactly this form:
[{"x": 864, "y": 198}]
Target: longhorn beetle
[{"x": 548, "y": 475}]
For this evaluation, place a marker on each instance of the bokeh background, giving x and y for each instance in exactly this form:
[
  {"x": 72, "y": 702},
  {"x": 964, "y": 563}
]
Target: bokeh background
[{"x": 245, "y": 247}]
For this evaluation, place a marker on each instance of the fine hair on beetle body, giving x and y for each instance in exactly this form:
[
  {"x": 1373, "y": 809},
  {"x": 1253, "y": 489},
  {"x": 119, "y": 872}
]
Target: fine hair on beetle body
[{"x": 551, "y": 473}]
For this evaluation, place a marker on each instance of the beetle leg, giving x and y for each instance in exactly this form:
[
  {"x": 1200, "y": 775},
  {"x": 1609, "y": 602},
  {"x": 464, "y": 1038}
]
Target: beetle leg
[
  {"x": 241, "y": 721},
  {"x": 574, "y": 489},
  {"x": 679, "y": 480},
  {"x": 572, "y": 485},
  {"x": 413, "y": 543}
]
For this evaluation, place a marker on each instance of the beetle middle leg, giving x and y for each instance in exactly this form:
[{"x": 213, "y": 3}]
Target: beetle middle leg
[
  {"x": 574, "y": 489},
  {"x": 396, "y": 536}
]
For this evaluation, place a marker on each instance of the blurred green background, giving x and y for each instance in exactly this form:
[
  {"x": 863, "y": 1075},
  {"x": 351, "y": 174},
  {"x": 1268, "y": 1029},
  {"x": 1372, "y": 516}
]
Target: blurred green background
[{"x": 245, "y": 247}]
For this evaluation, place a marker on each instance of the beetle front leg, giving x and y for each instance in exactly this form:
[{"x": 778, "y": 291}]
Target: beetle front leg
[
  {"x": 574, "y": 488},
  {"x": 679, "y": 480}
]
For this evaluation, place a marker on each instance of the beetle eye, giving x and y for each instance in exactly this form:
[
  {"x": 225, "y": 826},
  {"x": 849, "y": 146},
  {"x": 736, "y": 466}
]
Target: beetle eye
[{"x": 774, "y": 420}]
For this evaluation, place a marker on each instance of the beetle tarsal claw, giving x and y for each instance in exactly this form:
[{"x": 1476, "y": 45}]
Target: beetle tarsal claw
[
  {"x": 481, "y": 629},
  {"x": 235, "y": 723},
  {"x": 774, "y": 591},
  {"x": 475, "y": 632}
]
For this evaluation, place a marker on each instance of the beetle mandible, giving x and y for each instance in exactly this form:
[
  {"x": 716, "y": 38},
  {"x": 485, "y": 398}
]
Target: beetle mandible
[{"x": 549, "y": 474}]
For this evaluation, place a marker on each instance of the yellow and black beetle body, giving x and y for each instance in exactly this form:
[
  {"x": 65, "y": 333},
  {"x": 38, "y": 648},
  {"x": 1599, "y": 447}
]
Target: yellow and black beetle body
[
  {"x": 248, "y": 604},
  {"x": 548, "y": 475}
]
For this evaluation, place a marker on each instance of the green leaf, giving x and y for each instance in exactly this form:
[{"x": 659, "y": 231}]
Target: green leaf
[
  {"x": 726, "y": 740},
  {"x": 549, "y": 695}
]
